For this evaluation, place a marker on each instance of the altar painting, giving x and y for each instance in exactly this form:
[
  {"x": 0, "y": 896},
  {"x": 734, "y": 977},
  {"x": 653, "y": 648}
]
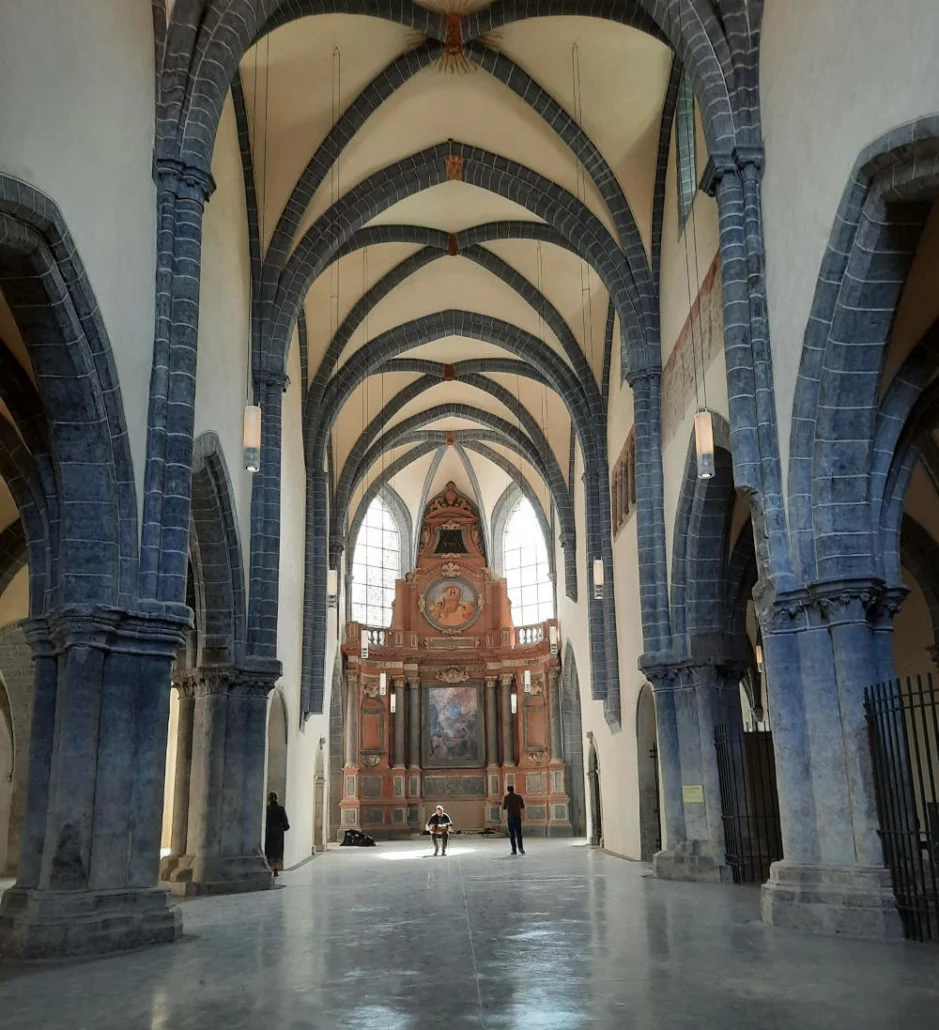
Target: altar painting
[{"x": 453, "y": 735}]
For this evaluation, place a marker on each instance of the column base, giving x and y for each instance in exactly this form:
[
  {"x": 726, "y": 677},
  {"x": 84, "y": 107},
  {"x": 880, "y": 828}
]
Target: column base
[
  {"x": 37, "y": 924},
  {"x": 236, "y": 875},
  {"x": 690, "y": 861},
  {"x": 852, "y": 901}
]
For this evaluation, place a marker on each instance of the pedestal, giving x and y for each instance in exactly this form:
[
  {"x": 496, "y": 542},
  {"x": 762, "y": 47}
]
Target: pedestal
[{"x": 849, "y": 901}]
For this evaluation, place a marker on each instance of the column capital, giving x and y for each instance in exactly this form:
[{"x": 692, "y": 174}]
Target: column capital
[
  {"x": 507, "y": 679},
  {"x": 184, "y": 181},
  {"x": 277, "y": 378},
  {"x": 736, "y": 162},
  {"x": 827, "y": 604},
  {"x": 398, "y": 682},
  {"x": 492, "y": 682},
  {"x": 229, "y": 680},
  {"x": 114, "y": 629},
  {"x": 644, "y": 377},
  {"x": 414, "y": 682}
]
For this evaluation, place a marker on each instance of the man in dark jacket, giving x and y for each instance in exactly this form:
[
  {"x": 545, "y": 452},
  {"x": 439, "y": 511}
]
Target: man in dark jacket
[
  {"x": 439, "y": 825},
  {"x": 512, "y": 805}
]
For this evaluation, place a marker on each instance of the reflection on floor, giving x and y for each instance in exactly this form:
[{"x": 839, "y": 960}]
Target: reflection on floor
[{"x": 566, "y": 938}]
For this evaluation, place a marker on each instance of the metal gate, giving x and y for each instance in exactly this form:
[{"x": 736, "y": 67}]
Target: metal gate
[
  {"x": 749, "y": 802},
  {"x": 903, "y": 721}
]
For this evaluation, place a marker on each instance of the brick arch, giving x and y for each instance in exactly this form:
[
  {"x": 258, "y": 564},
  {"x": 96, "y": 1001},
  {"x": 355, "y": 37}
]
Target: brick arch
[
  {"x": 544, "y": 463},
  {"x": 483, "y": 257},
  {"x": 387, "y": 82},
  {"x": 206, "y": 40},
  {"x": 216, "y": 557},
  {"x": 919, "y": 554},
  {"x": 52, "y": 302},
  {"x": 877, "y": 228},
  {"x": 700, "y": 548},
  {"x": 912, "y": 446},
  {"x": 488, "y": 171}
]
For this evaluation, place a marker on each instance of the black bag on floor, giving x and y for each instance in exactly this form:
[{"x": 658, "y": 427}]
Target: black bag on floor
[{"x": 357, "y": 839}]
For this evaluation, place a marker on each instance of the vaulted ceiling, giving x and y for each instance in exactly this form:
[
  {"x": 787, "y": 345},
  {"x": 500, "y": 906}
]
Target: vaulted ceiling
[{"x": 513, "y": 95}]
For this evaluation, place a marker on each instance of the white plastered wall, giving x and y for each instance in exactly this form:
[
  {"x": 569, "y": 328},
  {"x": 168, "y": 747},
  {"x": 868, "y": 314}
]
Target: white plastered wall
[
  {"x": 833, "y": 78},
  {"x": 76, "y": 121}
]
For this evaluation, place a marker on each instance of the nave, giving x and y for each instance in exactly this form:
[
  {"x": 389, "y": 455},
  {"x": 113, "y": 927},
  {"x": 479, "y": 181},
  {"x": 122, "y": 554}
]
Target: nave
[{"x": 568, "y": 938}]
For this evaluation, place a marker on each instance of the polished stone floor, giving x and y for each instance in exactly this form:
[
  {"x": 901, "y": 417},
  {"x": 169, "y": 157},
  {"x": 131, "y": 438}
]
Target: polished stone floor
[{"x": 563, "y": 939}]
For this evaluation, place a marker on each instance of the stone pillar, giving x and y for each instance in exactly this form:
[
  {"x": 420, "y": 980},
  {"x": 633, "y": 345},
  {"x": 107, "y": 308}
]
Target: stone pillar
[
  {"x": 492, "y": 719},
  {"x": 554, "y": 702},
  {"x": 414, "y": 722},
  {"x": 42, "y": 733},
  {"x": 226, "y": 788},
  {"x": 398, "y": 687},
  {"x": 351, "y": 722},
  {"x": 182, "y": 773},
  {"x": 91, "y": 840},
  {"x": 832, "y": 878},
  {"x": 508, "y": 737},
  {"x": 664, "y": 680}
]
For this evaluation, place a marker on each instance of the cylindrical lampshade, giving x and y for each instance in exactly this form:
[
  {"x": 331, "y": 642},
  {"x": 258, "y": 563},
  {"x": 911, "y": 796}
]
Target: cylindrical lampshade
[
  {"x": 553, "y": 638},
  {"x": 704, "y": 443},
  {"x": 383, "y": 683},
  {"x": 598, "y": 572},
  {"x": 394, "y": 703},
  {"x": 252, "y": 437},
  {"x": 759, "y": 657},
  {"x": 332, "y": 582},
  {"x": 527, "y": 681},
  {"x": 363, "y": 641},
  {"x": 514, "y": 700}
]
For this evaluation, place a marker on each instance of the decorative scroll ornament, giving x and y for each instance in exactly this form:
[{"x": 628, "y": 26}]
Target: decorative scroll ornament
[
  {"x": 451, "y": 568},
  {"x": 453, "y": 675},
  {"x": 538, "y": 756},
  {"x": 371, "y": 760}
]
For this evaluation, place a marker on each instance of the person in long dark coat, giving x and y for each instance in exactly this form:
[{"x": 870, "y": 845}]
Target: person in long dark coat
[{"x": 277, "y": 826}]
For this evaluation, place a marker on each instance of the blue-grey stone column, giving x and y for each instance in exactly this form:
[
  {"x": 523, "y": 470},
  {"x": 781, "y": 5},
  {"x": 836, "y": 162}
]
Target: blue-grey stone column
[
  {"x": 314, "y": 588},
  {"x": 88, "y": 882},
  {"x": 709, "y": 690},
  {"x": 650, "y": 512},
  {"x": 831, "y": 878},
  {"x": 269, "y": 387},
  {"x": 665, "y": 685},
  {"x": 226, "y": 786},
  {"x": 42, "y": 734},
  {"x": 847, "y": 613}
]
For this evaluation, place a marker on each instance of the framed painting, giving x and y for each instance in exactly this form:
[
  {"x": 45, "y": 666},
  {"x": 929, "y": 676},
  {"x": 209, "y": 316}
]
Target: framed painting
[
  {"x": 453, "y": 727},
  {"x": 450, "y": 605}
]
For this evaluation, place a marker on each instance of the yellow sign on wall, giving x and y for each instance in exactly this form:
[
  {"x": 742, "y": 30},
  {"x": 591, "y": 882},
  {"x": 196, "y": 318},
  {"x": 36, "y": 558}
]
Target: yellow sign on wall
[{"x": 693, "y": 793}]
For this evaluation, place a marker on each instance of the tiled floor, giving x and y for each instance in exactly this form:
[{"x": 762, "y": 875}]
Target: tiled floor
[{"x": 563, "y": 939}]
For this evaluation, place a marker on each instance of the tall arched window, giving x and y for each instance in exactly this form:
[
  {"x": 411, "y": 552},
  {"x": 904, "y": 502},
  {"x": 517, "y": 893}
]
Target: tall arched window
[
  {"x": 376, "y": 564},
  {"x": 525, "y": 562}
]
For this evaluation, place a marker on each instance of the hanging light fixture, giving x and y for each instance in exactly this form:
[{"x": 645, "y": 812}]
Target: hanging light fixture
[
  {"x": 598, "y": 578},
  {"x": 252, "y": 437},
  {"x": 759, "y": 654},
  {"x": 363, "y": 640},
  {"x": 394, "y": 703},
  {"x": 332, "y": 583},
  {"x": 553, "y": 638},
  {"x": 513, "y": 698},
  {"x": 383, "y": 683},
  {"x": 527, "y": 681},
  {"x": 704, "y": 443}
]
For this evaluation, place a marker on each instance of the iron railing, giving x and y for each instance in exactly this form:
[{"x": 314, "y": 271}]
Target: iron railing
[
  {"x": 749, "y": 802},
  {"x": 903, "y": 722}
]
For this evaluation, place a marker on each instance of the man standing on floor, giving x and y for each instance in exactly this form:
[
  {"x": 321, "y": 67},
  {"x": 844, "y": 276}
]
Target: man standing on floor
[{"x": 512, "y": 805}]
